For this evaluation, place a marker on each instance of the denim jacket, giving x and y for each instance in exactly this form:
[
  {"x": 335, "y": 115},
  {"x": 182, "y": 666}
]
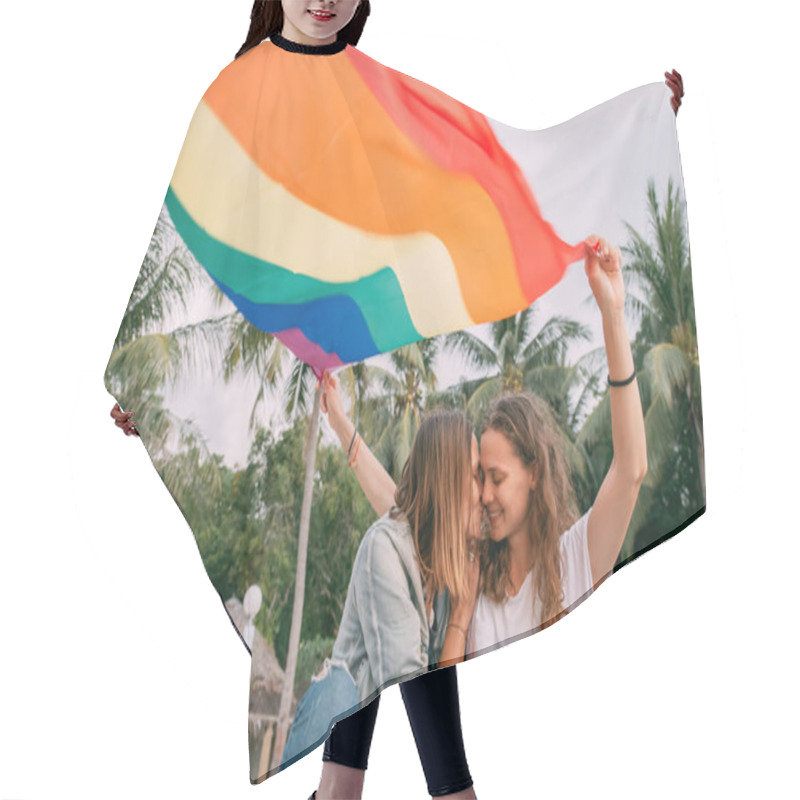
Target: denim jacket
[{"x": 385, "y": 632}]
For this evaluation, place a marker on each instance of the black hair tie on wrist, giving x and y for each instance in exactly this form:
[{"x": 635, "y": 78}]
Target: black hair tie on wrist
[
  {"x": 622, "y": 383},
  {"x": 351, "y": 442}
]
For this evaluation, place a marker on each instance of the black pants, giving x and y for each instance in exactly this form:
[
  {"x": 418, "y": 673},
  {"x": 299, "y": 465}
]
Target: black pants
[{"x": 432, "y": 706}]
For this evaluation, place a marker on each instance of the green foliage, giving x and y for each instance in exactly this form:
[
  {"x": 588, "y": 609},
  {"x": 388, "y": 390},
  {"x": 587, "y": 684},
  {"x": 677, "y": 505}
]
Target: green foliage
[
  {"x": 340, "y": 515},
  {"x": 248, "y": 533}
]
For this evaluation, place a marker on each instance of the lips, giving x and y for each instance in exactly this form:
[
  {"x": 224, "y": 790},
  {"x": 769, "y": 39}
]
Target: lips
[{"x": 322, "y": 15}]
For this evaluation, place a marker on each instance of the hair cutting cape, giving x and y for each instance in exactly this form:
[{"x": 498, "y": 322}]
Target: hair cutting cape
[{"x": 329, "y": 212}]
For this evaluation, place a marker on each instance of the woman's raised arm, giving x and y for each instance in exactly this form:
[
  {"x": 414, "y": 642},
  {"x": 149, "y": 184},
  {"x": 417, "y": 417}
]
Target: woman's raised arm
[
  {"x": 613, "y": 507},
  {"x": 376, "y": 482}
]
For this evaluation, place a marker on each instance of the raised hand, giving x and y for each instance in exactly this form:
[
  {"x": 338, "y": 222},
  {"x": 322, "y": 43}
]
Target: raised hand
[
  {"x": 604, "y": 270},
  {"x": 331, "y": 400},
  {"x": 124, "y": 420},
  {"x": 675, "y": 82}
]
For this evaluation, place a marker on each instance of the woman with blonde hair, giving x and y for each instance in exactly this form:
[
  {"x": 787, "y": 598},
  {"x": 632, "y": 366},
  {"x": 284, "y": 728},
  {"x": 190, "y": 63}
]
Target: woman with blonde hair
[{"x": 409, "y": 585}]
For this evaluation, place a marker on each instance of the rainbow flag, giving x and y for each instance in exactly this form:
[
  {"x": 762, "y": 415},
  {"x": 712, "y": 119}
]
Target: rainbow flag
[{"x": 350, "y": 209}]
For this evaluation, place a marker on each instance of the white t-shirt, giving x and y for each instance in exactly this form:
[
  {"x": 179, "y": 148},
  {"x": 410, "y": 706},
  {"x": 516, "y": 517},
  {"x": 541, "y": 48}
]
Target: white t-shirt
[{"x": 494, "y": 623}]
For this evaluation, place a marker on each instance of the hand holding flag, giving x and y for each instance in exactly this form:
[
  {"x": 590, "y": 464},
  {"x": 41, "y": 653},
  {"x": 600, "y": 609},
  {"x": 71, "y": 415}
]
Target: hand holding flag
[{"x": 604, "y": 270}]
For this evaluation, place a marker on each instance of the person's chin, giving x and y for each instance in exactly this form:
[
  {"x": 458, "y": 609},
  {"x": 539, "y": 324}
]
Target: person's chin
[{"x": 496, "y": 534}]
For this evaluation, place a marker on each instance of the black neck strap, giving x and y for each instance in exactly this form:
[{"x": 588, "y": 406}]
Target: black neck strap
[{"x": 308, "y": 49}]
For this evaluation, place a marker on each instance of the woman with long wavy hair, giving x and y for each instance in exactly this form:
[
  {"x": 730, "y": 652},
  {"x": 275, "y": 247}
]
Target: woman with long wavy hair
[
  {"x": 414, "y": 574},
  {"x": 542, "y": 558}
]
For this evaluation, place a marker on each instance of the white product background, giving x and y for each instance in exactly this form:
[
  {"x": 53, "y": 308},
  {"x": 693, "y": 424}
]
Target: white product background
[{"x": 120, "y": 674}]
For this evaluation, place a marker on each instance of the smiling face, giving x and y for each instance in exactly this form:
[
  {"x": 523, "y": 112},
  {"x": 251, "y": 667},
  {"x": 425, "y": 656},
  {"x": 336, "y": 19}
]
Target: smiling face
[
  {"x": 316, "y": 21},
  {"x": 507, "y": 486}
]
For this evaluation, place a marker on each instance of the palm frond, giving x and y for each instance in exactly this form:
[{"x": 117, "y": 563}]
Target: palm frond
[
  {"x": 168, "y": 275},
  {"x": 553, "y": 340},
  {"x": 596, "y": 425},
  {"x": 476, "y": 354},
  {"x": 661, "y": 432},
  {"x": 141, "y": 365},
  {"x": 669, "y": 371},
  {"x": 200, "y": 346}
]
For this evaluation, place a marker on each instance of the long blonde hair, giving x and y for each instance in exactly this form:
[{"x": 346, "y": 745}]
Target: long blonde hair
[
  {"x": 528, "y": 424},
  {"x": 430, "y": 494}
]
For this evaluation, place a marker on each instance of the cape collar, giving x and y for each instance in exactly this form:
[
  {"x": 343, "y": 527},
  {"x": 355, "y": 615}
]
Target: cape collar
[{"x": 308, "y": 49}]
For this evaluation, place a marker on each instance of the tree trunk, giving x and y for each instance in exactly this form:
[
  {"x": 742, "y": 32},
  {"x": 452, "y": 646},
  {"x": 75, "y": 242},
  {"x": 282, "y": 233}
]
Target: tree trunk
[{"x": 299, "y": 586}]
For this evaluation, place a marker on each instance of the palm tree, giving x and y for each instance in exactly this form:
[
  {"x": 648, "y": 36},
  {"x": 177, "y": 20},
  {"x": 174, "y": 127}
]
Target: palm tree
[
  {"x": 253, "y": 352},
  {"x": 659, "y": 298},
  {"x": 144, "y": 359},
  {"x": 667, "y": 337},
  {"x": 167, "y": 277},
  {"x": 310, "y": 455},
  {"x": 391, "y": 418},
  {"x": 518, "y": 359}
]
